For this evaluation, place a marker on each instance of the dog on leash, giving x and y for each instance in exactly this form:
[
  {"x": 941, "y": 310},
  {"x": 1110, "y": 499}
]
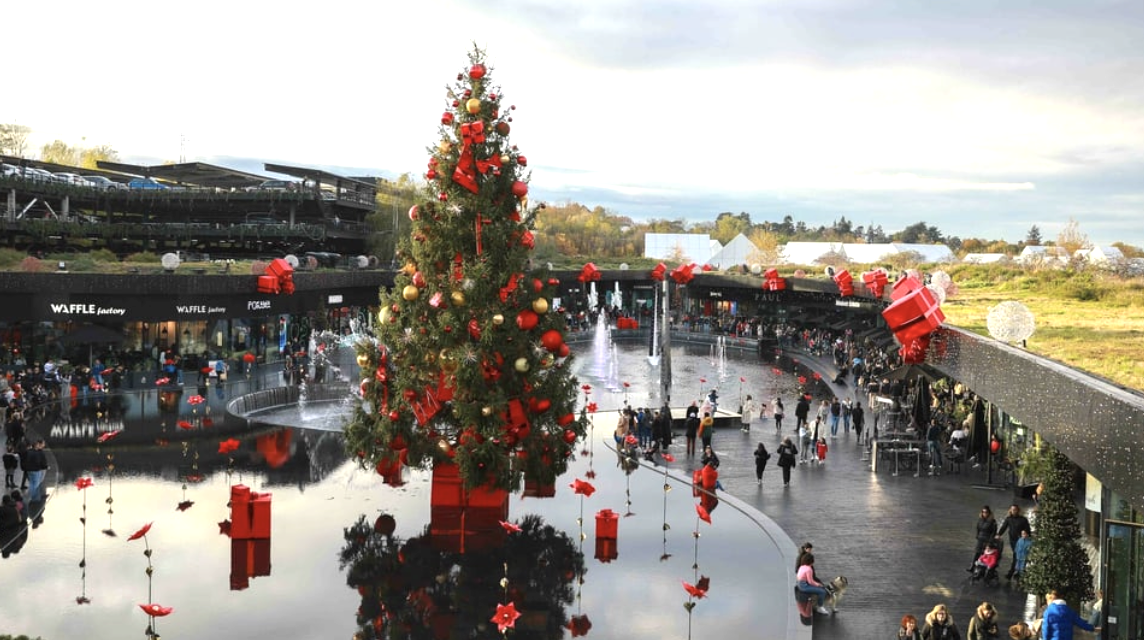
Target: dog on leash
[{"x": 836, "y": 589}]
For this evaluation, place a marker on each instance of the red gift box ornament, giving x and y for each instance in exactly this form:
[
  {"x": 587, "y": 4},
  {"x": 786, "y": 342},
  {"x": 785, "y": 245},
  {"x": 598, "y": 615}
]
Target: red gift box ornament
[
  {"x": 845, "y": 282},
  {"x": 683, "y": 274},
  {"x": 914, "y": 315},
  {"x": 607, "y": 524},
  {"x": 772, "y": 281},
  {"x": 589, "y": 273},
  {"x": 876, "y": 281},
  {"x": 465, "y": 174},
  {"x": 659, "y": 272},
  {"x": 249, "y": 513},
  {"x": 904, "y": 286},
  {"x": 282, "y": 273}
]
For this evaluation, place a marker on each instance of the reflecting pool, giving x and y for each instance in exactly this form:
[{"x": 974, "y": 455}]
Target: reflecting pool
[{"x": 418, "y": 567}]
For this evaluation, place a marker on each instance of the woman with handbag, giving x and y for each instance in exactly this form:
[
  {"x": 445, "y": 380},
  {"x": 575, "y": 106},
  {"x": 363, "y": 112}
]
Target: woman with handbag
[
  {"x": 787, "y": 459},
  {"x": 761, "y": 457}
]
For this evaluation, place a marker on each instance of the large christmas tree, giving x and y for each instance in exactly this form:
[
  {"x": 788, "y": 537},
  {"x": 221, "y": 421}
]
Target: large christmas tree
[
  {"x": 1057, "y": 560},
  {"x": 469, "y": 364}
]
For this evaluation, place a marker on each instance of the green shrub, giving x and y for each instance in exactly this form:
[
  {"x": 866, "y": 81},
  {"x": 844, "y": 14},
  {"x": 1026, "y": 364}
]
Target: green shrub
[
  {"x": 81, "y": 262},
  {"x": 142, "y": 258},
  {"x": 10, "y": 258},
  {"x": 104, "y": 255}
]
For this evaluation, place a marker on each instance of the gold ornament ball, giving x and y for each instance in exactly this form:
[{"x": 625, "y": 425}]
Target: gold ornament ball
[
  {"x": 383, "y": 315},
  {"x": 521, "y": 364},
  {"x": 410, "y": 292},
  {"x": 445, "y": 146},
  {"x": 498, "y": 319},
  {"x": 547, "y": 361},
  {"x": 504, "y": 158},
  {"x": 362, "y": 360},
  {"x": 458, "y": 298},
  {"x": 486, "y": 411},
  {"x": 540, "y": 305},
  {"x": 448, "y": 363},
  {"x": 473, "y": 106}
]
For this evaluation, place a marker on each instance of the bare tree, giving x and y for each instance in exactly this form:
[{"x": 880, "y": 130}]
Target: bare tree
[
  {"x": 14, "y": 139},
  {"x": 1072, "y": 239}
]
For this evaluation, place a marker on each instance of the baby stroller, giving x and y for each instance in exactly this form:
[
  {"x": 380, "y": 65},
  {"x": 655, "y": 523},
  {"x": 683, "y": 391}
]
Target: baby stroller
[{"x": 985, "y": 569}]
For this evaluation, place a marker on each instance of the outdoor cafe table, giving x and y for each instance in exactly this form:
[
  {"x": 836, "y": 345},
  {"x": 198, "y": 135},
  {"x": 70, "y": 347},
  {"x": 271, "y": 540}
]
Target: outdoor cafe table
[{"x": 898, "y": 448}]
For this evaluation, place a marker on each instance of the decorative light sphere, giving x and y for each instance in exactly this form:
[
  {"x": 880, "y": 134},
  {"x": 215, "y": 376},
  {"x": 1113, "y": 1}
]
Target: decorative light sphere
[
  {"x": 521, "y": 365},
  {"x": 1010, "y": 322},
  {"x": 756, "y": 268},
  {"x": 362, "y": 360},
  {"x": 410, "y": 292},
  {"x": 498, "y": 319},
  {"x": 540, "y": 305}
]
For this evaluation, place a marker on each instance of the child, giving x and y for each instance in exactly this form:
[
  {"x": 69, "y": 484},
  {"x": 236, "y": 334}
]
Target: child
[
  {"x": 1021, "y": 552},
  {"x": 11, "y": 461},
  {"x": 822, "y": 450},
  {"x": 988, "y": 560}
]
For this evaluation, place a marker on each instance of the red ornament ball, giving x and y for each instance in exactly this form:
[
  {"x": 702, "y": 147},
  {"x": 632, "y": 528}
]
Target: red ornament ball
[
  {"x": 526, "y": 320},
  {"x": 519, "y": 189},
  {"x": 570, "y": 436},
  {"x": 552, "y": 340},
  {"x": 477, "y": 71},
  {"x": 413, "y": 212},
  {"x": 503, "y": 128},
  {"x": 522, "y": 161},
  {"x": 563, "y": 351},
  {"x": 394, "y": 415},
  {"x": 431, "y": 174},
  {"x": 443, "y": 197},
  {"x": 447, "y": 118}
]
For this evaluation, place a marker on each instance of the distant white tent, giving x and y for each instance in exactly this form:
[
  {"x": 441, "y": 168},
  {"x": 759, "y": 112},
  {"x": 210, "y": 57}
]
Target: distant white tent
[
  {"x": 1040, "y": 254},
  {"x": 855, "y": 253},
  {"x": 1101, "y": 254},
  {"x": 736, "y": 252},
  {"x": 984, "y": 258},
  {"x": 691, "y": 247}
]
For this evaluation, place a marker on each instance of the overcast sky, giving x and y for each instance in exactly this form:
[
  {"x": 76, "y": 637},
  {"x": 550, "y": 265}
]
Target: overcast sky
[{"x": 981, "y": 118}]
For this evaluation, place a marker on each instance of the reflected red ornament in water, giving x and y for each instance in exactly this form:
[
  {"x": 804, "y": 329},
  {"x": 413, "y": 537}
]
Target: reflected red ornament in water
[
  {"x": 156, "y": 610},
  {"x": 583, "y": 488},
  {"x": 140, "y": 533},
  {"x": 579, "y": 625}
]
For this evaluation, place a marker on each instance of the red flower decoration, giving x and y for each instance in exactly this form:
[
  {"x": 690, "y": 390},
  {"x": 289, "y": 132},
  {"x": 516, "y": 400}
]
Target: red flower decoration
[
  {"x": 82, "y": 600},
  {"x": 205, "y": 371},
  {"x": 582, "y": 488},
  {"x": 107, "y": 436},
  {"x": 83, "y": 483},
  {"x": 194, "y": 477},
  {"x": 777, "y": 371},
  {"x": 579, "y": 625},
  {"x": 694, "y": 591},
  {"x": 817, "y": 375},
  {"x": 156, "y": 610},
  {"x": 185, "y": 504},
  {"x": 591, "y": 407},
  {"x": 183, "y": 424},
  {"x": 196, "y": 399},
  {"x": 627, "y": 384},
  {"x": 703, "y": 380},
  {"x": 802, "y": 379},
  {"x": 669, "y": 457},
  {"x": 162, "y": 381},
  {"x": 632, "y": 440},
  {"x": 140, "y": 533},
  {"x": 510, "y": 527},
  {"x": 506, "y": 616},
  {"x": 742, "y": 379},
  {"x": 586, "y": 388},
  {"x": 227, "y": 446},
  {"x": 248, "y": 358},
  {"x": 703, "y": 514}
]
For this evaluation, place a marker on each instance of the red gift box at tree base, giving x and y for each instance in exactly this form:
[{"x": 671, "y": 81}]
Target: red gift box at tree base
[
  {"x": 904, "y": 286},
  {"x": 463, "y": 520},
  {"x": 249, "y": 513},
  {"x": 248, "y": 559}
]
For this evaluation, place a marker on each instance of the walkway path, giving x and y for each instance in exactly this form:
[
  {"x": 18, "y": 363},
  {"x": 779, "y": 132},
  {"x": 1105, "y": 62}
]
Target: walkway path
[{"x": 903, "y": 542}]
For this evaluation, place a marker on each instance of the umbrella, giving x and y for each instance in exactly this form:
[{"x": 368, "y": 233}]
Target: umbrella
[{"x": 91, "y": 335}]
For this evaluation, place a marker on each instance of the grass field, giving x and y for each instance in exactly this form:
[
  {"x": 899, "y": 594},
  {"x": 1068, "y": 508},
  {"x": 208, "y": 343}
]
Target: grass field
[{"x": 1087, "y": 321}]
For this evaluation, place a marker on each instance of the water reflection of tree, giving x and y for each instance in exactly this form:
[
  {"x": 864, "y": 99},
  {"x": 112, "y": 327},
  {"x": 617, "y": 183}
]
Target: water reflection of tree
[{"x": 411, "y": 590}]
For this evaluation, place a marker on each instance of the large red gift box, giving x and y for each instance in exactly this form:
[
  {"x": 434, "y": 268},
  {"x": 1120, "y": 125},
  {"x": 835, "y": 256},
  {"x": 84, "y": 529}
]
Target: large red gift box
[
  {"x": 607, "y": 524},
  {"x": 904, "y": 286},
  {"x": 279, "y": 268},
  {"x": 914, "y": 315},
  {"x": 268, "y": 284}
]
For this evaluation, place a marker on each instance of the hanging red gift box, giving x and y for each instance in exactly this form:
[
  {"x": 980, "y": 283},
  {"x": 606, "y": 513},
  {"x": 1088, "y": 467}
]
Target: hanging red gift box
[
  {"x": 914, "y": 315},
  {"x": 248, "y": 559},
  {"x": 845, "y": 282},
  {"x": 875, "y": 281},
  {"x": 606, "y": 550},
  {"x": 268, "y": 284},
  {"x": 904, "y": 286}
]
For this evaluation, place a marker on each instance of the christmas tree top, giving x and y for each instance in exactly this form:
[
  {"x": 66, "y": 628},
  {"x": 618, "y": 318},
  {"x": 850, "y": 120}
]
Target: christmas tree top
[{"x": 469, "y": 362}]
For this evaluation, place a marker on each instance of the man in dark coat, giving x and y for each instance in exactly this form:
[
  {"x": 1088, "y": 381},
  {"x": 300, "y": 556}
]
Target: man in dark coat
[
  {"x": 1014, "y": 523},
  {"x": 801, "y": 411}
]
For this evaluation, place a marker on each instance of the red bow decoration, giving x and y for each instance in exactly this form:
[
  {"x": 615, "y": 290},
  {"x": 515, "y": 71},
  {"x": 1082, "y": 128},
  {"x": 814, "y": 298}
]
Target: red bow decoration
[
  {"x": 583, "y": 488},
  {"x": 579, "y": 626},
  {"x": 506, "y": 616},
  {"x": 510, "y": 527},
  {"x": 508, "y": 289},
  {"x": 156, "y": 610},
  {"x": 465, "y": 175},
  {"x": 83, "y": 483},
  {"x": 658, "y": 272},
  {"x": 704, "y": 515},
  {"x": 591, "y": 407},
  {"x": 589, "y": 273},
  {"x": 196, "y": 400},
  {"x": 683, "y": 274},
  {"x": 228, "y": 446},
  {"x": 107, "y": 436},
  {"x": 140, "y": 533},
  {"x": 694, "y": 591}
]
